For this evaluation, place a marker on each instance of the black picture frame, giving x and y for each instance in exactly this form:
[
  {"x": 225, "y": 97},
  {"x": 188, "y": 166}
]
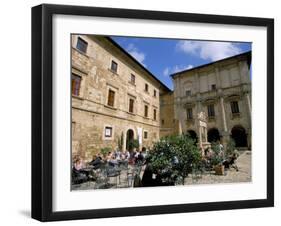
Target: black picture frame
[{"x": 42, "y": 111}]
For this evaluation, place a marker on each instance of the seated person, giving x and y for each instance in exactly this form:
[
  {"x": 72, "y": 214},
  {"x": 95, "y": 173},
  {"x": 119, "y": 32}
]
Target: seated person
[
  {"x": 96, "y": 162},
  {"x": 139, "y": 157},
  {"x": 79, "y": 175},
  {"x": 109, "y": 156},
  {"x": 231, "y": 162},
  {"x": 113, "y": 161}
]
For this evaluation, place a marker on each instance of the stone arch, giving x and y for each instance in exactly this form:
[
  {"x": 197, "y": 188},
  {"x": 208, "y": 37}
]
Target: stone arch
[
  {"x": 130, "y": 135},
  {"x": 192, "y": 134},
  {"x": 213, "y": 135},
  {"x": 239, "y": 135}
]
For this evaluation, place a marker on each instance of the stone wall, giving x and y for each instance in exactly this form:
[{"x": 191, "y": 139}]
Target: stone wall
[{"x": 168, "y": 123}]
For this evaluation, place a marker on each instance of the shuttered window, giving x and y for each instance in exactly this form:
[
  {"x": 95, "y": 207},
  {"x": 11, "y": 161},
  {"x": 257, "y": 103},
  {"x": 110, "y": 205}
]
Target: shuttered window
[
  {"x": 131, "y": 105},
  {"x": 111, "y": 96},
  {"x": 145, "y": 111},
  {"x": 133, "y": 79},
  {"x": 211, "y": 110},
  {"x": 189, "y": 113},
  {"x": 114, "y": 66},
  {"x": 154, "y": 114},
  {"x": 145, "y": 134},
  {"x": 234, "y": 107},
  {"x": 146, "y": 87},
  {"x": 75, "y": 84}
]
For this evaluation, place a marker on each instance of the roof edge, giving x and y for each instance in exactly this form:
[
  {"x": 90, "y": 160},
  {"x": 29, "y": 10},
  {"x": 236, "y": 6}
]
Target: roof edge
[
  {"x": 138, "y": 63},
  {"x": 249, "y": 53}
]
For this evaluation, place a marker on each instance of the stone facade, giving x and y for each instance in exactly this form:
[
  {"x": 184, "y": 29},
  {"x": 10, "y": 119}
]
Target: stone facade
[
  {"x": 114, "y": 98},
  {"x": 222, "y": 90},
  {"x": 168, "y": 122}
]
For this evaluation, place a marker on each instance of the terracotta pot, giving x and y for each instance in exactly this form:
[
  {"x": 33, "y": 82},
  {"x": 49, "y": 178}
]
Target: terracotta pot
[{"x": 219, "y": 169}]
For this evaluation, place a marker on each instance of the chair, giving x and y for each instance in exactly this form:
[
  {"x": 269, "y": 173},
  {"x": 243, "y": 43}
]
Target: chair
[
  {"x": 101, "y": 177},
  {"x": 113, "y": 172},
  {"x": 132, "y": 174}
]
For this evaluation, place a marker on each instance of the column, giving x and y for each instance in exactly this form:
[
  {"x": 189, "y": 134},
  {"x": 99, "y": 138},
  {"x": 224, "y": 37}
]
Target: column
[
  {"x": 223, "y": 114},
  {"x": 200, "y": 137},
  {"x": 218, "y": 78},
  {"x": 249, "y": 105},
  {"x": 225, "y": 134},
  {"x": 179, "y": 128},
  {"x": 124, "y": 142},
  {"x": 198, "y": 82},
  {"x": 206, "y": 134}
]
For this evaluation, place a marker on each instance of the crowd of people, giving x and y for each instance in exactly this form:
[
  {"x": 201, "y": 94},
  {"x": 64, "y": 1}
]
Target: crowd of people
[
  {"x": 111, "y": 159},
  {"x": 114, "y": 159}
]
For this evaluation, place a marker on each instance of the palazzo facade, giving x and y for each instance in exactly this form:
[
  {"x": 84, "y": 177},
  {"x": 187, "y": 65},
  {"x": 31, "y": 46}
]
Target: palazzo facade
[
  {"x": 221, "y": 90},
  {"x": 115, "y": 99}
]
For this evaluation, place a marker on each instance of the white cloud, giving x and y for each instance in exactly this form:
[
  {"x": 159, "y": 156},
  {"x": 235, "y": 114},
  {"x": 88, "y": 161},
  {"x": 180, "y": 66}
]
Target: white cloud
[
  {"x": 209, "y": 50},
  {"x": 171, "y": 70},
  {"x": 134, "y": 52}
]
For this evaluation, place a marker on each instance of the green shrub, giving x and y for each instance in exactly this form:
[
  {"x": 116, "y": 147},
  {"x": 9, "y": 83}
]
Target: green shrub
[
  {"x": 105, "y": 151},
  {"x": 230, "y": 148},
  {"x": 133, "y": 144},
  {"x": 174, "y": 157},
  {"x": 217, "y": 156}
]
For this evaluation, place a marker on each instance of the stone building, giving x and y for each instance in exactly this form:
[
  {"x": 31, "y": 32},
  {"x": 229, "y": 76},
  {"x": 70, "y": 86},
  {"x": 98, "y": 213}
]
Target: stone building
[
  {"x": 114, "y": 98},
  {"x": 168, "y": 124},
  {"x": 221, "y": 90}
]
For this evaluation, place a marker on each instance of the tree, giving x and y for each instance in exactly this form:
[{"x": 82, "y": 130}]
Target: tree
[
  {"x": 105, "y": 151},
  {"x": 173, "y": 157},
  {"x": 230, "y": 147},
  {"x": 133, "y": 144}
]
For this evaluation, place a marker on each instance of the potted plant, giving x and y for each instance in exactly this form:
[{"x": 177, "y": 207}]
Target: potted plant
[
  {"x": 104, "y": 151},
  {"x": 217, "y": 160}
]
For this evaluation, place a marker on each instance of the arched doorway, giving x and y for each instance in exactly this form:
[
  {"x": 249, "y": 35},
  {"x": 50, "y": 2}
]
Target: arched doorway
[
  {"x": 213, "y": 135},
  {"x": 238, "y": 134},
  {"x": 129, "y": 139},
  {"x": 192, "y": 134}
]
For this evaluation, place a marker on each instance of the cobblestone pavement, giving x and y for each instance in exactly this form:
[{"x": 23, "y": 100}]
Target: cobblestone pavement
[{"x": 231, "y": 176}]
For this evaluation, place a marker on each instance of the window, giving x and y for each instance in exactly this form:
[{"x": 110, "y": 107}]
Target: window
[
  {"x": 108, "y": 131},
  {"x": 154, "y": 114},
  {"x": 145, "y": 134},
  {"x": 81, "y": 45},
  {"x": 111, "y": 96},
  {"x": 133, "y": 79},
  {"x": 213, "y": 87},
  {"x": 73, "y": 128},
  {"x": 189, "y": 113},
  {"x": 234, "y": 107},
  {"x": 131, "y": 105},
  {"x": 75, "y": 84},
  {"x": 146, "y": 87},
  {"x": 211, "y": 111},
  {"x": 154, "y": 93},
  {"x": 188, "y": 92},
  {"x": 163, "y": 121},
  {"x": 114, "y": 66},
  {"x": 145, "y": 111}
]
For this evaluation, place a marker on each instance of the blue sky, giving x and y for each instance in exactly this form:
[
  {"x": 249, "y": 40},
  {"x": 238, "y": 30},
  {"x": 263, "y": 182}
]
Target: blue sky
[{"x": 163, "y": 57}]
